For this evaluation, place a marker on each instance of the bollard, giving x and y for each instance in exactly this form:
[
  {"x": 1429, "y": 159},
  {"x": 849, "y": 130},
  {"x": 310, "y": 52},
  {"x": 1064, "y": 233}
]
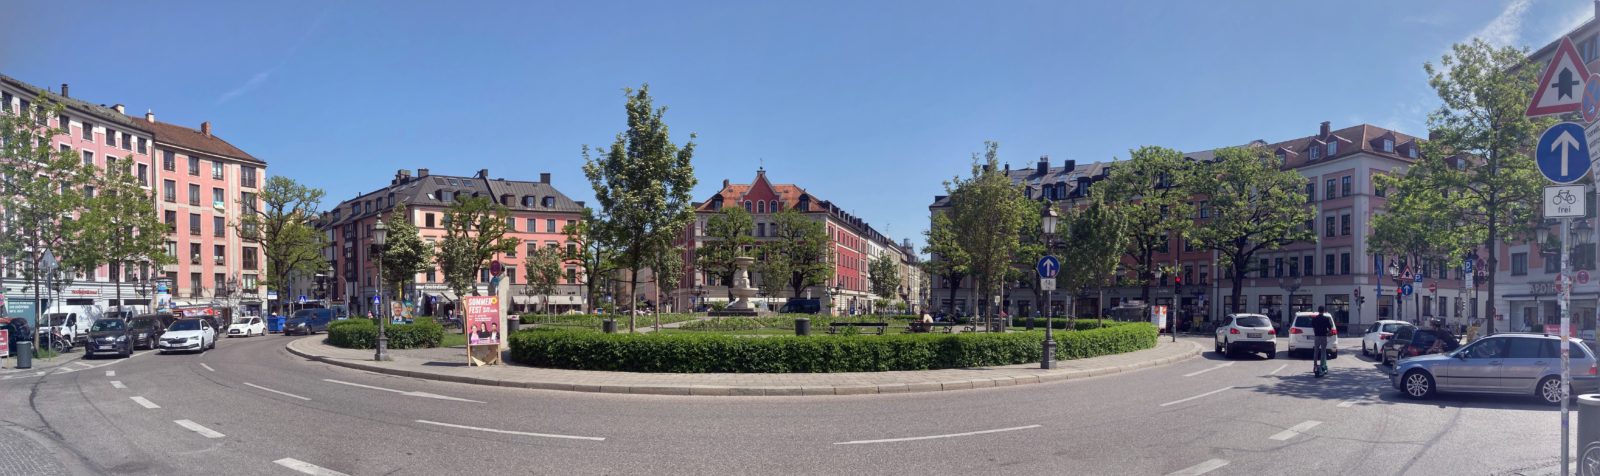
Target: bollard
[
  {"x": 1589, "y": 435},
  {"x": 24, "y": 354},
  {"x": 609, "y": 326},
  {"x": 802, "y": 326}
]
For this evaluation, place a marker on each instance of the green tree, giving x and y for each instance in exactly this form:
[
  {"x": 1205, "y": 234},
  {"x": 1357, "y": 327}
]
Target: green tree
[
  {"x": 283, "y": 225},
  {"x": 1152, "y": 190},
  {"x": 1256, "y": 206},
  {"x": 1419, "y": 223},
  {"x": 946, "y": 257},
  {"x": 474, "y": 232},
  {"x": 643, "y": 183},
  {"x": 800, "y": 250},
  {"x": 1093, "y": 240},
  {"x": 1484, "y": 91},
  {"x": 989, "y": 211},
  {"x": 121, "y": 225},
  {"x": 587, "y": 245},
  {"x": 728, "y": 236},
  {"x": 42, "y": 187},
  {"x": 666, "y": 272},
  {"x": 405, "y": 253},
  {"x": 884, "y": 272},
  {"x": 542, "y": 271}
]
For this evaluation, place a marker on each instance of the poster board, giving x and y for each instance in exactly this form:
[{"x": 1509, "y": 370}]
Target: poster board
[
  {"x": 483, "y": 329},
  {"x": 1158, "y": 316},
  {"x": 5, "y": 343}
]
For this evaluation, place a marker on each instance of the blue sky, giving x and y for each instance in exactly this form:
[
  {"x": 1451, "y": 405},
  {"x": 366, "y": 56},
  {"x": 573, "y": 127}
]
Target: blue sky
[{"x": 869, "y": 104}]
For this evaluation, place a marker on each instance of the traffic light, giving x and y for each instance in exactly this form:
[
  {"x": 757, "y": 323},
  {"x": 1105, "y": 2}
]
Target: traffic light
[{"x": 1177, "y": 279}]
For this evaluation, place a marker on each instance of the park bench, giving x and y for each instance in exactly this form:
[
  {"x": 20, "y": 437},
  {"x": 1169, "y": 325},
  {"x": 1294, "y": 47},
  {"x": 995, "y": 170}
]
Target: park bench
[
  {"x": 919, "y": 326},
  {"x": 880, "y": 327}
]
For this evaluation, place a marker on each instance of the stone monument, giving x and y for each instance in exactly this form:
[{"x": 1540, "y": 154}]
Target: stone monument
[{"x": 742, "y": 290}]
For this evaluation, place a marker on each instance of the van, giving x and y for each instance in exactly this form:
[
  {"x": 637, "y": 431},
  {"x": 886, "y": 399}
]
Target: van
[
  {"x": 801, "y": 306},
  {"x": 73, "y": 326},
  {"x": 308, "y": 321}
]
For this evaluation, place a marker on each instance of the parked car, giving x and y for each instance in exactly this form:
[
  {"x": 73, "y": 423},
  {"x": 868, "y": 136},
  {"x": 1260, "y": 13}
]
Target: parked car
[
  {"x": 147, "y": 328},
  {"x": 1247, "y": 333},
  {"x": 188, "y": 334},
  {"x": 308, "y": 321},
  {"x": 1377, "y": 334},
  {"x": 1514, "y": 364},
  {"x": 1412, "y": 341},
  {"x": 247, "y": 326},
  {"x": 801, "y": 306},
  {"x": 109, "y": 336},
  {"x": 1302, "y": 338}
]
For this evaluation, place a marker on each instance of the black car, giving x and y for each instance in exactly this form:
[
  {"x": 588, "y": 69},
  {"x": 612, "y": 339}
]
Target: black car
[
  {"x": 308, "y": 321},
  {"x": 109, "y": 336},
  {"x": 801, "y": 306},
  {"x": 147, "y": 328},
  {"x": 1411, "y": 341}
]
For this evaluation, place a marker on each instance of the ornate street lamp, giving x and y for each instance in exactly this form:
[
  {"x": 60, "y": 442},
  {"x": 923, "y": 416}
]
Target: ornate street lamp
[
  {"x": 1399, "y": 297},
  {"x": 380, "y": 240},
  {"x": 1047, "y": 224}
]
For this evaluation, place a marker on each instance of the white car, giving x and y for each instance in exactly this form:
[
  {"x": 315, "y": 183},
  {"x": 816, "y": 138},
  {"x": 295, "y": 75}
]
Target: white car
[
  {"x": 1302, "y": 338},
  {"x": 246, "y": 327},
  {"x": 188, "y": 334},
  {"x": 1247, "y": 333},
  {"x": 1377, "y": 335}
]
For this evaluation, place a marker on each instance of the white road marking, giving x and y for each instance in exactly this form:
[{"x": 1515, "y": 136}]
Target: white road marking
[
  {"x": 111, "y": 373},
  {"x": 1276, "y": 370},
  {"x": 144, "y": 403},
  {"x": 208, "y": 367},
  {"x": 402, "y": 392},
  {"x": 1293, "y": 431},
  {"x": 117, "y": 384},
  {"x": 65, "y": 370},
  {"x": 1199, "y": 469},
  {"x": 195, "y": 427},
  {"x": 85, "y": 364},
  {"x": 286, "y": 394},
  {"x": 522, "y": 433},
  {"x": 1203, "y": 395},
  {"x": 307, "y": 468},
  {"x": 1198, "y": 372},
  {"x": 952, "y": 435},
  {"x": 1349, "y": 403}
]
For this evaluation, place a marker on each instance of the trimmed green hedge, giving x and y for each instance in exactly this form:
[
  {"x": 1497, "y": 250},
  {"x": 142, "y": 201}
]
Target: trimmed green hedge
[
  {"x": 1083, "y": 323},
  {"x": 360, "y": 333},
  {"x": 694, "y": 353}
]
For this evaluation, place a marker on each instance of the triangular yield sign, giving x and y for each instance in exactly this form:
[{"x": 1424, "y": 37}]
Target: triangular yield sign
[{"x": 1561, "y": 87}]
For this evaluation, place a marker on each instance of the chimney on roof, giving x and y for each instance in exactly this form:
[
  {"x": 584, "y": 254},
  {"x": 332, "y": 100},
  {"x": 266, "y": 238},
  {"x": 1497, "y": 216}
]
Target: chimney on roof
[
  {"x": 64, "y": 91},
  {"x": 117, "y": 107},
  {"x": 544, "y": 177},
  {"x": 149, "y": 116},
  {"x": 1044, "y": 162},
  {"x": 1008, "y": 168},
  {"x": 1324, "y": 129},
  {"x": 1069, "y": 165},
  {"x": 483, "y": 173},
  {"x": 724, "y": 183},
  {"x": 422, "y": 173},
  {"x": 205, "y": 127}
]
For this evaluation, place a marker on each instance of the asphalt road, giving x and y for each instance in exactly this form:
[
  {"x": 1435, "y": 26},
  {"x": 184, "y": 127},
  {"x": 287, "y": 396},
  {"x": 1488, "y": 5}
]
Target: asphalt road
[{"x": 249, "y": 407}]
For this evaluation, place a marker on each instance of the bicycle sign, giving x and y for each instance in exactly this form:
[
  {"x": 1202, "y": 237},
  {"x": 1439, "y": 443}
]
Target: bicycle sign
[{"x": 1564, "y": 201}]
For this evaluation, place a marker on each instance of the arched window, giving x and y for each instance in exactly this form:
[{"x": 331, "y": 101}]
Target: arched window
[
  {"x": 773, "y": 206},
  {"x": 747, "y": 208},
  {"x": 761, "y": 207}
]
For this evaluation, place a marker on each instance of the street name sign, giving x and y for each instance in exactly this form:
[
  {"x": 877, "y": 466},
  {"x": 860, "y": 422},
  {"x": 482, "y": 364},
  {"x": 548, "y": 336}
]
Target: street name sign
[
  {"x": 1049, "y": 266},
  {"x": 1561, "y": 86},
  {"x": 1563, "y": 153},
  {"x": 1564, "y": 201}
]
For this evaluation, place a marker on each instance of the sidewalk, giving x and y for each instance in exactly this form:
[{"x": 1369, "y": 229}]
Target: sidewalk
[{"x": 431, "y": 366}]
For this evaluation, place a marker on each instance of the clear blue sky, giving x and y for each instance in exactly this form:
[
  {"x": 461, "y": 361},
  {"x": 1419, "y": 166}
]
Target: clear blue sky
[{"x": 868, "y": 104}]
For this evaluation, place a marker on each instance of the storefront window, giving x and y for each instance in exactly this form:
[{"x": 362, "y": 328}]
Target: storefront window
[
  {"x": 1339, "y": 307},
  {"x": 1385, "y": 307}
]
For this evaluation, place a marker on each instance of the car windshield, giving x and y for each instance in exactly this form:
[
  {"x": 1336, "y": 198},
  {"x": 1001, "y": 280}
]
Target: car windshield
[
  {"x": 1391, "y": 327},
  {"x": 242, "y": 320},
  {"x": 108, "y": 325},
  {"x": 185, "y": 325},
  {"x": 56, "y": 319},
  {"x": 1251, "y": 321}
]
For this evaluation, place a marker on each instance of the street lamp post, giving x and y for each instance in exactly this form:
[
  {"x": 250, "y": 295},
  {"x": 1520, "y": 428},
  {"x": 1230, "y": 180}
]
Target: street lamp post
[
  {"x": 1399, "y": 295},
  {"x": 1047, "y": 223},
  {"x": 380, "y": 239},
  {"x": 1289, "y": 286}
]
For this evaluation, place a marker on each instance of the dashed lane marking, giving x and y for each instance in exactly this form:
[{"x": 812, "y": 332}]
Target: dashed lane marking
[
  {"x": 523, "y": 433},
  {"x": 85, "y": 364},
  {"x": 144, "y": 402},
  {"x": 195, "y": 427},
  {"x": 402, "y": 392},
  {"x": 1199, "y": 469},
  {"x": 307, "y": 468},
  {"x": 1203, "y": 395},
  {"x": 1279, "y": 369},
  {"x": 1296, "y": 430},
  {"x": 1198, "y": 372},
  {"x": 118, "y": 384},
  {"x": 208, "y": 367},
  {"x": 111, "y": 373},
  {"x": 286, "y": 394},
  {"x": 951, "y": 435}
]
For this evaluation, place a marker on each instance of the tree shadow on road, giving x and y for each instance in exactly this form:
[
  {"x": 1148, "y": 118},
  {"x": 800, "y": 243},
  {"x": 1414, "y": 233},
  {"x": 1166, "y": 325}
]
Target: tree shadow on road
[
  {"x": 1365, "y": 386},
  {"x": 1340, "y": 384}
]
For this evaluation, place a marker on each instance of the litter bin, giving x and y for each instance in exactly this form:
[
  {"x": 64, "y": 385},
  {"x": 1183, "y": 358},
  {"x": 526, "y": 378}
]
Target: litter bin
[
  {"x": 609, "y": 326},
  {"x": 275, "y": 323},
  {"x": 802, "y": 326},
  {"x": 513, "y": 323},
  {"x": 24, "y": 354},
  {"x": 1588, "y": 434}
]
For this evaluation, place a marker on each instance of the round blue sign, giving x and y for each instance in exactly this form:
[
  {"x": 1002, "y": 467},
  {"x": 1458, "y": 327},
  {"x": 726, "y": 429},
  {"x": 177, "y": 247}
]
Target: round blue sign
[
  {"x": 1406, "y": 289},
  {"x": 1563, "y": 153},
  {"x": 1591, "y": 99}
]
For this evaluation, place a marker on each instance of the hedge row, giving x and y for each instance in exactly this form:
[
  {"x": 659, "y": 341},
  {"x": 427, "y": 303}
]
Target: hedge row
[
  {"x": 363, "y": 334},
  {"x": 1082, "y": 323},
  {"x": 695, "y": 353}
]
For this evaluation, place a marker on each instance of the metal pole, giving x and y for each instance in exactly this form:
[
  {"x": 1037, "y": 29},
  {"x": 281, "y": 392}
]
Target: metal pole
[
  {"x": 383, "y": 318},
  {"x": 1048, "y": 360},
  {"x": 1566, "y": 329}
]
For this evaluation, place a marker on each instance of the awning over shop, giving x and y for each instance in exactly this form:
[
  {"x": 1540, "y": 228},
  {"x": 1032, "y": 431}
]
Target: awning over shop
[{"x": 448, "y": 296}]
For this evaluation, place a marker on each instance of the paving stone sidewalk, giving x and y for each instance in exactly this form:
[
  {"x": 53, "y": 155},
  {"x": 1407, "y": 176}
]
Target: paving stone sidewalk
[{"x": 450, "y": 365}]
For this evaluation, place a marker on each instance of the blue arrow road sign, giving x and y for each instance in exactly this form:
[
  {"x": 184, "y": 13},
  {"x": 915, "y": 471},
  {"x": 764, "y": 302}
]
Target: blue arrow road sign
[
  {"x": 1405, "y": 289},
  {"x": 1048, "y": 267},
  {"x": 1563, "y": 153}
]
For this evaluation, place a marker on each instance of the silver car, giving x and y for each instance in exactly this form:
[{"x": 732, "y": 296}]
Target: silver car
[{"x": 1515, "y": 364}]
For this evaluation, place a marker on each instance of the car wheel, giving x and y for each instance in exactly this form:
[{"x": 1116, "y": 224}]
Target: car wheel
[
  {"x": 1218, "y": 345},
  {"x": 1417, "y": 384},
  {"x": 1272, "y": 353},
  {"x": 1364, "y": 350},
  {"x": 1550, "y": 390}
]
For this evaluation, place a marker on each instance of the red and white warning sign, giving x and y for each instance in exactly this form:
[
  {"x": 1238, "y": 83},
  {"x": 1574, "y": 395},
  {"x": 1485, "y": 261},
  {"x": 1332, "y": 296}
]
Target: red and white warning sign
[{"x": 1561, "y": 86}]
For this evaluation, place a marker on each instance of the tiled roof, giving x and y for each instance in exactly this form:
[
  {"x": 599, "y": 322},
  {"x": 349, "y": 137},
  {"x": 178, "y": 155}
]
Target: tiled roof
[
  {"x": 427, "y": 192},
  {"x": 1352, "y": 140},
  {"x": 100, "y": 112},
  {"x": 195, "y": 140}
]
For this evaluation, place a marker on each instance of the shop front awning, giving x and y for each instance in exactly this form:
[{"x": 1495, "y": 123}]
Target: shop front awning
[{"x": 447, "y": 295}]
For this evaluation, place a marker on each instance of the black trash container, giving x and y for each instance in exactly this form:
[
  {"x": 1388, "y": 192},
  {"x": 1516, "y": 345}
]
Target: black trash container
[
  {"x": 802, "y": 326},
  {"x": 609, "y": 326},
  {"x": 513, "y": 324},
  {"x": 24, "y": 354}
]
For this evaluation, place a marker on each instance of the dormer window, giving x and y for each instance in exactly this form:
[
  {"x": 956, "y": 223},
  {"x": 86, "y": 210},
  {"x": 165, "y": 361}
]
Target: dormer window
[
  {"x": 716, "y": 203},
  {"x": 1411, "y": 152},
  {"x": 1316, "y": 152},
  {"x": 1283, "y": 156},
  {"x": 1333, "y": 148},
  {"x": 548, "y": 202},
  {"x": 1388, "y": 145}
]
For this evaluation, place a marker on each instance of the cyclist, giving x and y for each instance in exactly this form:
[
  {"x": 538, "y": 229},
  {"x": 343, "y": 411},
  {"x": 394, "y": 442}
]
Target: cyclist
[{"x": 1322, "y": 330}]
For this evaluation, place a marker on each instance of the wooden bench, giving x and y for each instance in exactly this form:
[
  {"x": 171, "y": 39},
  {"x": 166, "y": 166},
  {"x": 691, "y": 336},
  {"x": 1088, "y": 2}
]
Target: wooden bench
[
  {"x": 880, "y": 327},
  {"x": 919, "y": 326}
]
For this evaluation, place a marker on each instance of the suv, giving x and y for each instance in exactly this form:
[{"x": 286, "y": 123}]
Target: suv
[
  {"x": 1412, "y": 341},
  {"x": 147, "y": 328},
  {"x": 1247, "y": 333},
  {"x": 1302, "y": 338},
  {"x": 1378, "y": 334},
  {"x": 1515, "y": 364}
]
